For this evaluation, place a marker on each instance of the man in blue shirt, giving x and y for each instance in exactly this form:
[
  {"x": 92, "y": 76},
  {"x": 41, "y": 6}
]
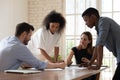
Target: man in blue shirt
[
  {"x": 13, "y": 51},
  {"x": 108, "y": 32}
]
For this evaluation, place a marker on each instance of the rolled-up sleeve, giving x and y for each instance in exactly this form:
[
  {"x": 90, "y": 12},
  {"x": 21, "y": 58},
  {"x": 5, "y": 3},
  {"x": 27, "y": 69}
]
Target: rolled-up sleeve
[
  {"x": 24, "y": 55},
  {"x": 103, "y": 31}
]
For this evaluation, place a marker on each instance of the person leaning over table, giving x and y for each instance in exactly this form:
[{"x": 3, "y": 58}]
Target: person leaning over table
[
  {"x": 108, "y": 32},
  {"x": 82, "y": 52},
  {"x": 13, "y": 51},
  {"x": 44, "y": 43}
]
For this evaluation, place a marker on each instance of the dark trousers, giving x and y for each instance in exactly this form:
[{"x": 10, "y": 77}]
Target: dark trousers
[
  {"x": 117, "y": 73},
  {"x": 90, "y": 78}
]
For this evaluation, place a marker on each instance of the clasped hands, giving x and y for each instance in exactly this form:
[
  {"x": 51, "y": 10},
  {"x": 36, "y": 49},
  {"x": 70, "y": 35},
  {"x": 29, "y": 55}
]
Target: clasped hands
[{"x": 87, "y": 64}]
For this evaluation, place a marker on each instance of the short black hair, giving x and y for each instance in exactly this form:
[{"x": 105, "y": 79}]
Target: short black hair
[
  {"x": 21, "y": 27},
  {"x": 54, "y": 16},
  {"x": 91, "y": 11}
]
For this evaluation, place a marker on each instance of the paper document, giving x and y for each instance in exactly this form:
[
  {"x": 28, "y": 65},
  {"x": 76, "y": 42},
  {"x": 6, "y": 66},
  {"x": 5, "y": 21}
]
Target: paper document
[
  {"x": 76, "y": 67},
  {"x": 55, "y": 69},
  {"x": 22, "y": 71}
]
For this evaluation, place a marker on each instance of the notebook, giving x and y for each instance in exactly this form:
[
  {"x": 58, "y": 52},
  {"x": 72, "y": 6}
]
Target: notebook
[{"x": 22, "y": 71}]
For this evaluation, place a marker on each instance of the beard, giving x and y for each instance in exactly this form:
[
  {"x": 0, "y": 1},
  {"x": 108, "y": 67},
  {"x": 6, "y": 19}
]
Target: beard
[{"x": 25, "y": 42}]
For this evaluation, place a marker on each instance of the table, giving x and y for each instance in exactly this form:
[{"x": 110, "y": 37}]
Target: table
[{"x": 69, "y": 73}]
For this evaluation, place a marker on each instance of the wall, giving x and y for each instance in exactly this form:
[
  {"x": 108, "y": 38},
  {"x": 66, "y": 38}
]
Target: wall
[
  {"x": 38, "y": 9},
  {"x": 12, "y": 12}
]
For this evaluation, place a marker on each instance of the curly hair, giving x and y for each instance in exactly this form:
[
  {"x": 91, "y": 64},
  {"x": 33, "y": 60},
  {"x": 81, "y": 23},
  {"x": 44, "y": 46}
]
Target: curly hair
[{"x": 54, "y": 16}]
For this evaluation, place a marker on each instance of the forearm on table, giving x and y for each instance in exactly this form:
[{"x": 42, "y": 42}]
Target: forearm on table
[
  {"x": 56, "y": 53},
  {"x": 69, "y": 58},
  {"x": 56, "y": 65},
  {"x": 51, "y": 65},
  {"x": 68, "y": 61},
  {"x": 99, "y": 55},
  {"x": 46, "y": 55},
  {"x": 93, "y": 57}
]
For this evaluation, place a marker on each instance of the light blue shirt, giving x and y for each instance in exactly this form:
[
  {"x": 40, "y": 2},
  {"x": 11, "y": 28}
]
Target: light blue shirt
[
  {"x": 109, "y": 35},
  {"x": 13, "y": 53}
]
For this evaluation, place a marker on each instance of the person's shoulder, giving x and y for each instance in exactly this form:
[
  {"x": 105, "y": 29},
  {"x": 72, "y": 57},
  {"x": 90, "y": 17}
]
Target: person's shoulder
[
  {"x": 19, "y": 46},
  {"x": 105, "y": 18},
  {"x": 39, "y": 30},
  {"x": 74, "y": 48},
  {"x": 4, "y": 41},
  {"x": 9, "y": 38}
]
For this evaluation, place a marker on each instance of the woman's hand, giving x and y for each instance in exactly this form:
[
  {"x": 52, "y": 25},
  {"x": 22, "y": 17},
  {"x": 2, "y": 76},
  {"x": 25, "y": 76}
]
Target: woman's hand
[
  {"x": 83, "y": 65},
  {"x": 68, "y": 64},
  {"x": 95, "y": 67},
  {"x": 60, "y": 61},
  {"x": 85, "y": 60}
]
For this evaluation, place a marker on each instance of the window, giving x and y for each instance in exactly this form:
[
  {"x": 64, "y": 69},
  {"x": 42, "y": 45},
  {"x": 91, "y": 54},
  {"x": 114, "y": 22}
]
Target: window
[{"x": 75, "y": 26}]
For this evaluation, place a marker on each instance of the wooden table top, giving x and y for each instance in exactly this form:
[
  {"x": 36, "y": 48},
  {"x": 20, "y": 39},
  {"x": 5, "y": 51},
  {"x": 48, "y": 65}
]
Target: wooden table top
[{"x": 69, "y": 73}]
